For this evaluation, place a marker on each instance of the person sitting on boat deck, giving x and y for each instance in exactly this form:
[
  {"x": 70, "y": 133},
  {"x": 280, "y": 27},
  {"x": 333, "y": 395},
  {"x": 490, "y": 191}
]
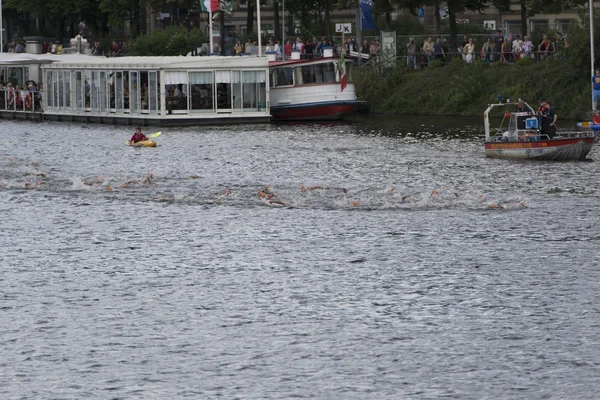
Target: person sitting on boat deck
[
  {"x": 138, "y": 136},
  {"x": 596, "y": 119},
  {"x": 549, "y": 118}
]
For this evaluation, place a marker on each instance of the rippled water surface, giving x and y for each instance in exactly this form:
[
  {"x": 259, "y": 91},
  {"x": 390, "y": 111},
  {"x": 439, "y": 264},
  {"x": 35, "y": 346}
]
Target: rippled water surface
[{"x": 393, "y": 275}]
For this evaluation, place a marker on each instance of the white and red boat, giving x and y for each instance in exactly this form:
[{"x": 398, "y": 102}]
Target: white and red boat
[
  {"x": 525, "y": 140},
  {"x": 312, "y": 89}
]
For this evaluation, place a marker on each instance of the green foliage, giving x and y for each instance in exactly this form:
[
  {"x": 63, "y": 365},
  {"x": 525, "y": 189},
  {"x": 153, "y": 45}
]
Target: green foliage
[
  {"x": 462, "y": 89},
  {"x": 578, "y": 42},
  {"x": 407, "y": 25},
  {"x": 171, "y": 41},
  {"x": 524, "y": 61},
  {"x": 436, "y": 64},
  {"x": 467, "y": 28}
]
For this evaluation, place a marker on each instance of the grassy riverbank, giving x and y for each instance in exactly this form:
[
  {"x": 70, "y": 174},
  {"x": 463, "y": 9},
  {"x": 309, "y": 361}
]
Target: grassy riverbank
[{"x": 465, "y": 89}]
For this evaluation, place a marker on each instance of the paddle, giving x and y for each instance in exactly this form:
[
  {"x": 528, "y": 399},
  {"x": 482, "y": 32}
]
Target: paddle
[{"x": 154, "y": 135}]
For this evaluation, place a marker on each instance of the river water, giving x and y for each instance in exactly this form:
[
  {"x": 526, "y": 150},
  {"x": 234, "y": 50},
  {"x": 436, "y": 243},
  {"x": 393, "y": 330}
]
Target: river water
[{"x": 388, "y": 277}]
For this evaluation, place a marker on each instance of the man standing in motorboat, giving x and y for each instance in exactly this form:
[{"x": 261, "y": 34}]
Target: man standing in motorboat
[{"x": 548, "y": 118}]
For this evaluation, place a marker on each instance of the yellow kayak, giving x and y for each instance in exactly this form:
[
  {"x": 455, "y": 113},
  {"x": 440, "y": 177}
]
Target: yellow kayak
[{"x": 143, "y": 143}]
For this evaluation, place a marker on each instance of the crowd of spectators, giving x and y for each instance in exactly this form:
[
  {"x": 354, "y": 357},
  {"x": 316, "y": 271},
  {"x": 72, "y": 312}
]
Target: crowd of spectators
[
  {"x": 313, "y": 48},
  {"x": 26, "y": 97},
  {"x": 500, "y": 48},
  {"x": 14, "y": 47}
]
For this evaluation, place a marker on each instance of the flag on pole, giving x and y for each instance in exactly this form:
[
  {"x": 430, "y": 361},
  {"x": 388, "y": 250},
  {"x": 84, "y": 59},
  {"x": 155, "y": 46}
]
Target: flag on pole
[
  {"x": 341, "y": 67},
  {"x": 209, "y": 5},
  {"x": 366, "y": 16}
]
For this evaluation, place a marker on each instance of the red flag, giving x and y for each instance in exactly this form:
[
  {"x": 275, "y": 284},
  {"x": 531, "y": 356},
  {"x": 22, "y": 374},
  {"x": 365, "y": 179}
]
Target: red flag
[
  {"x": 344, "y": 81},
  {"x": 209, "y": 5},
  {"x": 341, "y": 67}
]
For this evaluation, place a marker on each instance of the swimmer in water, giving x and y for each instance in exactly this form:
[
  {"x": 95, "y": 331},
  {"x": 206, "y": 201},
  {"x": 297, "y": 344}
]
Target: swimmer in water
[
  {"x": 147, "y": 181},
  {"x": 306, "y": 189},
  {"x": 270, "y": 196},
  {"x": 91, "y": 182}
]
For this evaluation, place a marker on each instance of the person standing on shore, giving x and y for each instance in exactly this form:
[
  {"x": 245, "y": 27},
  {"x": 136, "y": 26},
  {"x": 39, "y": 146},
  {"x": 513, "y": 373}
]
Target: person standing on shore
[
  {"x": 596, "y": 88},
  {"x": 411, "y": 51}
]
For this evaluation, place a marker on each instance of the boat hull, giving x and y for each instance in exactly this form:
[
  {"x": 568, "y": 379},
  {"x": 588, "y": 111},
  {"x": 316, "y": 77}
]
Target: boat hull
[
  {"x": 553, "y": 149},
  {"x": 143, "y": 143},
  {"x": 322, "y": 111}
]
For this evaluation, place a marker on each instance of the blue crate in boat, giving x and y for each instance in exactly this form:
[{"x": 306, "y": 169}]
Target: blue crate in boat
[{"x": 531, "y": 123}]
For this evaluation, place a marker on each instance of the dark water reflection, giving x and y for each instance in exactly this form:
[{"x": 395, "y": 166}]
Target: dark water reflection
[{"x": 393, "y": 279}]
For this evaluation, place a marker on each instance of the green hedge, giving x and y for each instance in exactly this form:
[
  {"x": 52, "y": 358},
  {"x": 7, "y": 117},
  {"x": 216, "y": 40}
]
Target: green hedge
[{"x": 170, "y": 41}]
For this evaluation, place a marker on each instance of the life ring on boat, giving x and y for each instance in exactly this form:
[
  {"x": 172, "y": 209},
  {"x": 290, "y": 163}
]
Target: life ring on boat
[{"x": 28, "y": 101}]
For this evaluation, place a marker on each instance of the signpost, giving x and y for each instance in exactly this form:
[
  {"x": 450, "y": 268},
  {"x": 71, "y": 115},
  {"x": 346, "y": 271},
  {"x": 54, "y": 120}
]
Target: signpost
[{"x": 343, "y": 28}]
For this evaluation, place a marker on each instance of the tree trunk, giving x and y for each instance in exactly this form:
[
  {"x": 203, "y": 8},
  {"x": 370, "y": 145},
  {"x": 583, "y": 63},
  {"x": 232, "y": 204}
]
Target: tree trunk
[
  {"x": 250, "y": 19},
  {"x": 453, "y": 29},
  {"x": 59, "y": 23},
  {"x": 24, "y": 23},
  {"x": 291, "y": 28},
  {"x": 327, "y": 21},
  {"x": 222, "y": 30},
  {"x": 438, "y": 19},
  {"x": 388, "y": 20},
  {"x": 277, "y": 24},
  {"x": 523, "y": 19}
]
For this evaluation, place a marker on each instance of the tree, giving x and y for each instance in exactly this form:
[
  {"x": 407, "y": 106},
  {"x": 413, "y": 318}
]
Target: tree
[
  {"x": 57, "y": 11},
  {"x": 529, "y": 8},
  {"x": 455, "y": 7}
]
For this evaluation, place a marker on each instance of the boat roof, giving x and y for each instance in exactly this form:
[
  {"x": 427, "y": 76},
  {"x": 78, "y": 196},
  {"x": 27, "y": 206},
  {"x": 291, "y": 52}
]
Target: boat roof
[
  {"x": 71, "y": 61},
  {"x": 281, "y": 63}
]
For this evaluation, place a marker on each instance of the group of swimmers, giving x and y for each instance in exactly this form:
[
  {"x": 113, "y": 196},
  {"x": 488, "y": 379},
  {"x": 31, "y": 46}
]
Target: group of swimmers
[{"x": 270, "y": 197}]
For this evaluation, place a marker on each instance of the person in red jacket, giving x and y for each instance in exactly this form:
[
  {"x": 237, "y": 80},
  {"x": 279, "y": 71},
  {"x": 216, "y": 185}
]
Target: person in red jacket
[{"x": 138, "y": 136}]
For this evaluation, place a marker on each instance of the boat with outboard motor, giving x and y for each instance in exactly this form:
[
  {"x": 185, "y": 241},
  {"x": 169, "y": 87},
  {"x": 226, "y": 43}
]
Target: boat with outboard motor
[{"x": 524, "y": 138}]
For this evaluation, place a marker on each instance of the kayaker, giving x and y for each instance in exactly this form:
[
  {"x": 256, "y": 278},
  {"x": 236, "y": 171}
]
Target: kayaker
[
  {"x": 138, "y": 136},
  {"x": 596, "y": 119}
]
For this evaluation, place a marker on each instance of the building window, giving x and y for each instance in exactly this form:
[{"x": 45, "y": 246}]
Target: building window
[
  {"x": 539, "y": 26},
  {"x": 562, "y": 25}
]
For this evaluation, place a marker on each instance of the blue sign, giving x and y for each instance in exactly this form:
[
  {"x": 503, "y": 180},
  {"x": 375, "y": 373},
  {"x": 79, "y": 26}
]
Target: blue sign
[{"x": 420, "y": 12}]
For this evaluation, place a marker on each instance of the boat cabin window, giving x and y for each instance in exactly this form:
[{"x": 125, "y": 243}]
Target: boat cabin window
[
  {"x": 201, "y": 89},
  {"x": 315, "y": 73},
  {"x": 282, "y": 77},
  {"x": 518, "y": 120},
  {"x": 349, "y": 66},
  {"x": 176, "y": 87},
  {"x": 254, "y": 90},
  {"x": 16, "y": 75}
]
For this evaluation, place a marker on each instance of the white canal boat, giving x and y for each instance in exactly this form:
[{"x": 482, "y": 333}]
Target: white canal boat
[
  {"x": 313, "y": 89},
  {"x": 138, "y": 90}
]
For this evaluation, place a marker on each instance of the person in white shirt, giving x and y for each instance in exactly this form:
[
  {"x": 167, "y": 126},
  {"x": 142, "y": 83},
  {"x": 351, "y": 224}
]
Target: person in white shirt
[
  {"x": 277, "y": 49},
  {"x": 527, "y": 48},
  {"x": 517, "y": 48}
]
